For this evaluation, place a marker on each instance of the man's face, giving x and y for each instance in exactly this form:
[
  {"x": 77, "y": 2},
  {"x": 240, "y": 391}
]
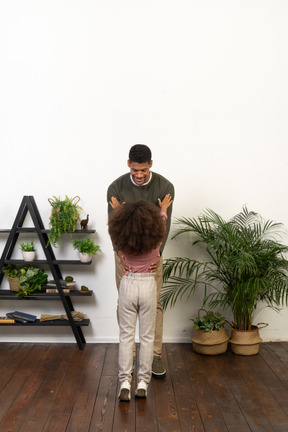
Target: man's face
[{"x": 140, "y": 172}]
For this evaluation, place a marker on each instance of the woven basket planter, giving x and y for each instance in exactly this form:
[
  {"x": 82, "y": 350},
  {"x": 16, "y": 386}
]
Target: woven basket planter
[
  {"x": 14, "y": 284},
  {"x": 246, "y": 342},
  {"x": 213, "y": 342}
]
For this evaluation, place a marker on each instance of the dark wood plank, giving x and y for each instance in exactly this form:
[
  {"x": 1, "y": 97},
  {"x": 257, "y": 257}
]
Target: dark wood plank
[
  {"x": 61, "y": 357},
  {"x": 103, "y": 414},
  {"x": 58, "y": 388},
  {"x": 263, "y": 366},
  {"x": 215, "y": 368},
  {"x": 258, "y": 405},
  {"x": 146, "y": 413},
  {"x": 283, "y": 345},
  {"x": 274, "y": 413},
  {"x": 145, "y": 409},
  {"x": 110, "y": 366},
  {"x": 11, "y": 359},
  {"x": 124, "y": 413},
  {"x": 276, "y": 356},
  {"x": 204, "y": 393},
  {"x": 187, "y": 408},
  {"x": 86, "y": 395},
  {"x": 167, "y": 414},
  {"x": 63, "y": 405},
  {"x": 24, "y": 384}
]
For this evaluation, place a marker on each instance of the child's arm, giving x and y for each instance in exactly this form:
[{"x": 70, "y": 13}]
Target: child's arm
[{"x": 165, "y": 203}]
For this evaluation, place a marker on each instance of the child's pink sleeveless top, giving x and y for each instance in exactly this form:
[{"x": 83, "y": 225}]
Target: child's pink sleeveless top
[{"x": 141, "y": 263}]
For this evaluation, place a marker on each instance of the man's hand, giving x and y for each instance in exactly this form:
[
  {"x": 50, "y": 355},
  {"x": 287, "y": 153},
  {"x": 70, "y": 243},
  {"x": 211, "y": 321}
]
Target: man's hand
[
  {"x": 126, "y": 268},
  {"x": 114, "y": 202},
  {"x": 153, "y": 266},
  {"x": 165, "y": 203}
]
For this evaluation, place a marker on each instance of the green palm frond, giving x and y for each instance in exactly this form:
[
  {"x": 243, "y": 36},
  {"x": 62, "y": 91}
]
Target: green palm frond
[
  {"x": 178, "y": 274},
  {"x": 245, "y": 264}
]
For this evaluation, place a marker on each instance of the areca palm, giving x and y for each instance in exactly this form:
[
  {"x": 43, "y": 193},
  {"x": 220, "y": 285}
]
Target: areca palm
[{"x": 245, "y": 265}]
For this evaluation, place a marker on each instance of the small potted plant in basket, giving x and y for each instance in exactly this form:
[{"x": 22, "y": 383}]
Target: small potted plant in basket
[
  {"x": 13, "y": 274},
  {"x": 86, "y": 248},
  {"x": 209, "y": 336},
  {"x": 28, "y": 250}
]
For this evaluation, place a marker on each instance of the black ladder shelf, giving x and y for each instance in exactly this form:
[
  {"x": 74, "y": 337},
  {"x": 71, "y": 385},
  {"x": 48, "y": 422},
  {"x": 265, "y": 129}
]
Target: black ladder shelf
[{"x": 28, "y": 204}]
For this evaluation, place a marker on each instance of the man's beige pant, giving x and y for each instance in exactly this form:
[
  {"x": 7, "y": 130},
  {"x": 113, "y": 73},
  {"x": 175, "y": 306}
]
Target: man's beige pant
[
  {"x": 137, "y": 296},
  {"x": 159, "y": 311}
]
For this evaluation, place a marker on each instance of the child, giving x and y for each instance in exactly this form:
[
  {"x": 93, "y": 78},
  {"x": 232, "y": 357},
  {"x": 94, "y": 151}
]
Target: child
[{"x": 137, "y": 230}]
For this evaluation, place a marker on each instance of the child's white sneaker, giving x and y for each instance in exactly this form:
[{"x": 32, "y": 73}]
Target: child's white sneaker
[
  {"x": 141, "y": 390},
  {"x": 125, "y": 391}
]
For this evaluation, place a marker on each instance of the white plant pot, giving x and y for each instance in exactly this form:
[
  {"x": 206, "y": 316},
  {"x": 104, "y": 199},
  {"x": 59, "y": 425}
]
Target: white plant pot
[
  {"x": 28, "y": 256},
  {"x": 84, "y": 257}
]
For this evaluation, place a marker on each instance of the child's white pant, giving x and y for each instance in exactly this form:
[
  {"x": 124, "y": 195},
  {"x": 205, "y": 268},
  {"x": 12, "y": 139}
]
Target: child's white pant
[{"x": 137, "y": 295}]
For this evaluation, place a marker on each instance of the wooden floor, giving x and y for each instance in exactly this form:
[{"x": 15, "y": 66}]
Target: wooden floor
[{"x": 57, "y": 388}]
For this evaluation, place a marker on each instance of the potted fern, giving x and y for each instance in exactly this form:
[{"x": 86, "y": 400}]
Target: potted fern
[
  {"x": 13, "y": 274},
  {"x": 86, "y": 248},
  {"x": 245, "y": 266}
]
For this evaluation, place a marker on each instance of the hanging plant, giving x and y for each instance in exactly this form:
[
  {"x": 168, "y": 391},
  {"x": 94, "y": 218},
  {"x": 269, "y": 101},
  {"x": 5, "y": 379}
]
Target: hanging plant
[{"x": 63, "y": 219}]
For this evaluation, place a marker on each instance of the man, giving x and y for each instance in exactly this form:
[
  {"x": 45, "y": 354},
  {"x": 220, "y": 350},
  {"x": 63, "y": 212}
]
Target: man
[{"x": 143, "y": 184}]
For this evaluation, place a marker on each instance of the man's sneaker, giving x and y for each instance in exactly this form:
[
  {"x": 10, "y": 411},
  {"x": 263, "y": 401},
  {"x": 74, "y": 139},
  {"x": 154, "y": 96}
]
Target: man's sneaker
[
  {"x": 125, "y": 393},
  {"x": 141, "y": 390},
  {"x": 158, "y": 370}
]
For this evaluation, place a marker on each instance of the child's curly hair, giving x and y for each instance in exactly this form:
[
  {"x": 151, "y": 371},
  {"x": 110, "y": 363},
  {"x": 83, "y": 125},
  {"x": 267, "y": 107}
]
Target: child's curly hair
[{"x": 137, "y": 227}]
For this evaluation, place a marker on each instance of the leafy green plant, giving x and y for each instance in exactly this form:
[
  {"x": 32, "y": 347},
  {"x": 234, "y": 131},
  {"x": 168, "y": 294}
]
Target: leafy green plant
[
  {"x": 12, "y": 271},
  {"x": 31, "y": 280},
  {"x": 86, "y": 246},
  {"x": 245, "y": 265},
  {"x": 27, "y": 246},
  {"x": 64, "y": 217},
  {"x": 209, "y": 321}
]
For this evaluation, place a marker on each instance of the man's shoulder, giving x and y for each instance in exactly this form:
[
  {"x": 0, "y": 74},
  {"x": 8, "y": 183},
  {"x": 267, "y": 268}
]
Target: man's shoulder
[
  {"x": 161, "y": 179},
  {"x": 124, "y": 178}
]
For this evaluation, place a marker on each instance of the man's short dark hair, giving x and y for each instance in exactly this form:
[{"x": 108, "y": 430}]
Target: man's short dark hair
[{"x": 140, "y": 153}]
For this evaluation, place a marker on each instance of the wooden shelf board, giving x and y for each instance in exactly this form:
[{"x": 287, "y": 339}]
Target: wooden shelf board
[
  {"x": 55, "y": 262},
  {"x": 6, "y": 294},
  {"x": 53, "y": 323},
  {"x": 33, "y": 229}
]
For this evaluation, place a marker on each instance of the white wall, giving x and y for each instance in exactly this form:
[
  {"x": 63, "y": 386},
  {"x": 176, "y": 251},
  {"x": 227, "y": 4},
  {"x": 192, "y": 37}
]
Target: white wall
[{"x": 203, "y": 83}]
